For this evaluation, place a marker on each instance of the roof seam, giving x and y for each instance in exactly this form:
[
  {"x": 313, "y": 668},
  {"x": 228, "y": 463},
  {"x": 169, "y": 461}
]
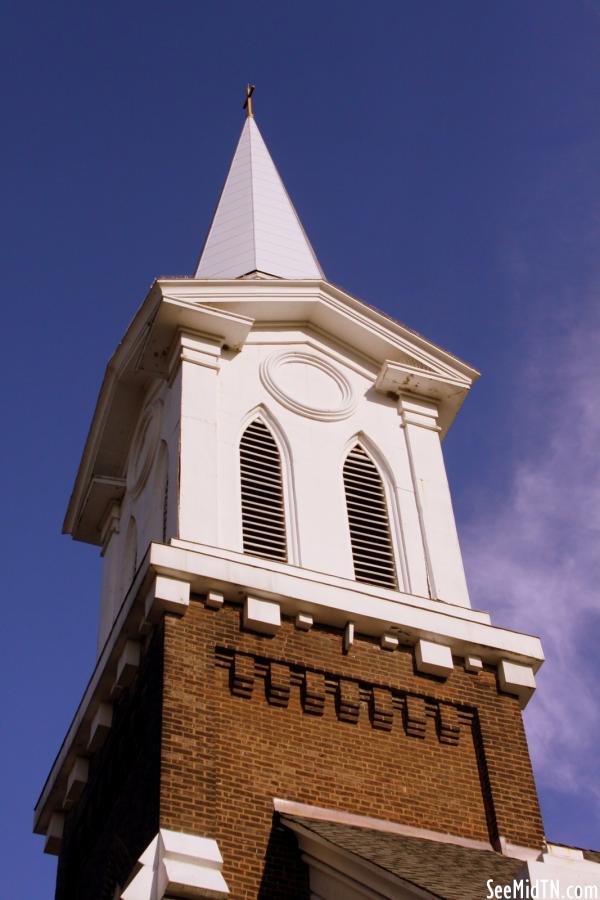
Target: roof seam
[{"x": 252, "y": 189}]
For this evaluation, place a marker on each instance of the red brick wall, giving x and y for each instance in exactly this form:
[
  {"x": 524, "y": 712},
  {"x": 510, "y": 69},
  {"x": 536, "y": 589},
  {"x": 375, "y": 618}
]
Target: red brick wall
[
  {"x": 118, "y": 813},
  {"x": 247, "y": 718}
]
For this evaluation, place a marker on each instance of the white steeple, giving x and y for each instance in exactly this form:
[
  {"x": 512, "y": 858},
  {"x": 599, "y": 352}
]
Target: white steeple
[{"x": 255, "y": 227}]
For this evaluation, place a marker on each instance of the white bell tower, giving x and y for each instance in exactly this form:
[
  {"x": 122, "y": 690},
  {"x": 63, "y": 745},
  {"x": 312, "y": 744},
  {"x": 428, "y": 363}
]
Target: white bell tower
[{"x": 259, "y": 335}]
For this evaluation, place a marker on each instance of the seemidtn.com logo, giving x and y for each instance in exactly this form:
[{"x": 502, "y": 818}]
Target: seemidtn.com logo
[{"x": 541, "y": 889}]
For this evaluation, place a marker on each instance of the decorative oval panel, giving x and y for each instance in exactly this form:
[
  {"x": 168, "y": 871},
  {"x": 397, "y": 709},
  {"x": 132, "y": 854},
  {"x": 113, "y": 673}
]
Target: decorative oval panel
[{"x": 308, "y": 385}]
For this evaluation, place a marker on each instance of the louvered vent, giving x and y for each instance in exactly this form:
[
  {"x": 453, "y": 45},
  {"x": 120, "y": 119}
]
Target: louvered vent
[
  {"x": 372, "y": 549},
  {"x": 263, "y": 518}
]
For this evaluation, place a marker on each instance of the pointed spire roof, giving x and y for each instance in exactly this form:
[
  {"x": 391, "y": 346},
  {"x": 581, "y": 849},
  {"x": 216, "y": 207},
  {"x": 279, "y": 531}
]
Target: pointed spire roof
[{"x": 255, "y": 227}]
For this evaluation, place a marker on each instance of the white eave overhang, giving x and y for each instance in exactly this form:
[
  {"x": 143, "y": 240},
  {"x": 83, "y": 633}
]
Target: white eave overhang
[
  {"x": 226, "y": 311},
  {"x": 139, "y": 359}
]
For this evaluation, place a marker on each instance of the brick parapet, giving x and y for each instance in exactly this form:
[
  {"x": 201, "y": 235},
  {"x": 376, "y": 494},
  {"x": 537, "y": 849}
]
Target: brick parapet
[{"x": 331, "y": 729}]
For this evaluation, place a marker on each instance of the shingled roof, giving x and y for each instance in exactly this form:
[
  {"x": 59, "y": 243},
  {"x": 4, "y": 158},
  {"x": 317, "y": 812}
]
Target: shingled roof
[{"x": 444, "y": 870}]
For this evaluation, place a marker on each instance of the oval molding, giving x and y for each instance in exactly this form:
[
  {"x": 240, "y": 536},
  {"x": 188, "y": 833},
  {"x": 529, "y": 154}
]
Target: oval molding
[
  {"x": 144, "y": 447},
  {"x": 271, "y": 377}
]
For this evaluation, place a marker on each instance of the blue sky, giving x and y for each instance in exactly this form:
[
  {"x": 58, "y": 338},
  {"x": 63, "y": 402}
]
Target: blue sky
[{"x": 445, "y": 160}]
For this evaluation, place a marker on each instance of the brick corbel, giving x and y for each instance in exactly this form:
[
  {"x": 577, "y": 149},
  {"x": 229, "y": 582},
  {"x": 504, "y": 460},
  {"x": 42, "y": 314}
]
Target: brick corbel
[
  {"x": 348, "y": 700},
  {"x": 382, "y": 710},
  {"x": 280, "y": 677},
  {"x": 448, "y": 724},
  {"x": 242, "y": 675},
  {"x": 415, "y": 716},
  {"x": 278, "y": 684},
  {"x": 314, "y": 693}
]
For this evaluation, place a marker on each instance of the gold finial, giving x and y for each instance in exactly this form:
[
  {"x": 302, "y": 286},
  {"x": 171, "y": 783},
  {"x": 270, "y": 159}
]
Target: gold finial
[{"x": 248, "y": 102}]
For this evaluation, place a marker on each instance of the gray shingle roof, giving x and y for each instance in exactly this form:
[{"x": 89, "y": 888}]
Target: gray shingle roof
[{"x": 445, "y": 870}]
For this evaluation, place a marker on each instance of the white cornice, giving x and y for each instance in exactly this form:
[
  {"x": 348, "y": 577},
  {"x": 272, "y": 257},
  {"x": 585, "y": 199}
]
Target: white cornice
[
  {"x": 375, "y": 611},
  {"x": 125, "y": 351},
  {"x": 438, "y": 383},
  {"x": 229, "y": 290},
  {"x": 141, "y": 357},
  {"x": 175, "y": 314},
  {"x": 168, "y": 573},
  {"x": 227, "y": 310},
  {"x": 408, "y": 359}
]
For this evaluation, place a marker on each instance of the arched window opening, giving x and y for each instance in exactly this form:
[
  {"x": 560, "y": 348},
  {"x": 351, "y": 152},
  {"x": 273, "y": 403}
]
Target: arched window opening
[
  {"x": 130, "y": 561},
  {"x": 372, "y": 549},
  {"x": 165, "y": 508},
  {"x": 263, "y": 515},
  {"x": 160, "y": 496}
]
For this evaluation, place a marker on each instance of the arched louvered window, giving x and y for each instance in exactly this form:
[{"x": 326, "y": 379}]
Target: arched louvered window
[
  {"x": 263, "y": 516},
  {"x": 372, "y": 549}
]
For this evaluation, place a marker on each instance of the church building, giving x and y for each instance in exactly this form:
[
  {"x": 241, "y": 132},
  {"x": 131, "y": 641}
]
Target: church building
[{"x": 293, "y": 697}]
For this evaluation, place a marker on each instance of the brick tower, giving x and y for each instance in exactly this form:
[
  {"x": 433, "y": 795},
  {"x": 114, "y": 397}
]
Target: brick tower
[{"x": 292, "y": 696}]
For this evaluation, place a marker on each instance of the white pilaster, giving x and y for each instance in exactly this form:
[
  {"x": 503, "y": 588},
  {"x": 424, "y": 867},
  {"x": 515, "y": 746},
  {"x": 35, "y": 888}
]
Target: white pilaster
[
  {"x": 198, "y": 356},
  {"x": 442, "y": 551}
]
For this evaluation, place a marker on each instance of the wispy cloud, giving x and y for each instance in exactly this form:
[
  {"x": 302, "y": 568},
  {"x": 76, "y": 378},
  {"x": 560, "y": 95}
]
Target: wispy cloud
[{"x": 534, "y": 559}]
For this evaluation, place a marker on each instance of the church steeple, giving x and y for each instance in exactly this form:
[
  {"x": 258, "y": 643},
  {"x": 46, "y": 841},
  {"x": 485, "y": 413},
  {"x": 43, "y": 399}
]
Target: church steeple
[
  {"x": 255, "y": 227},
  {"x": 291, "y": 684}
]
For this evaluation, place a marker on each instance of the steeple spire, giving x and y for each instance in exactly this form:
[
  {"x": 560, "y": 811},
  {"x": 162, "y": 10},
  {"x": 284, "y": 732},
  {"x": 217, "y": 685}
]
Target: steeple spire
[{"x": 255, "y": 227}]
